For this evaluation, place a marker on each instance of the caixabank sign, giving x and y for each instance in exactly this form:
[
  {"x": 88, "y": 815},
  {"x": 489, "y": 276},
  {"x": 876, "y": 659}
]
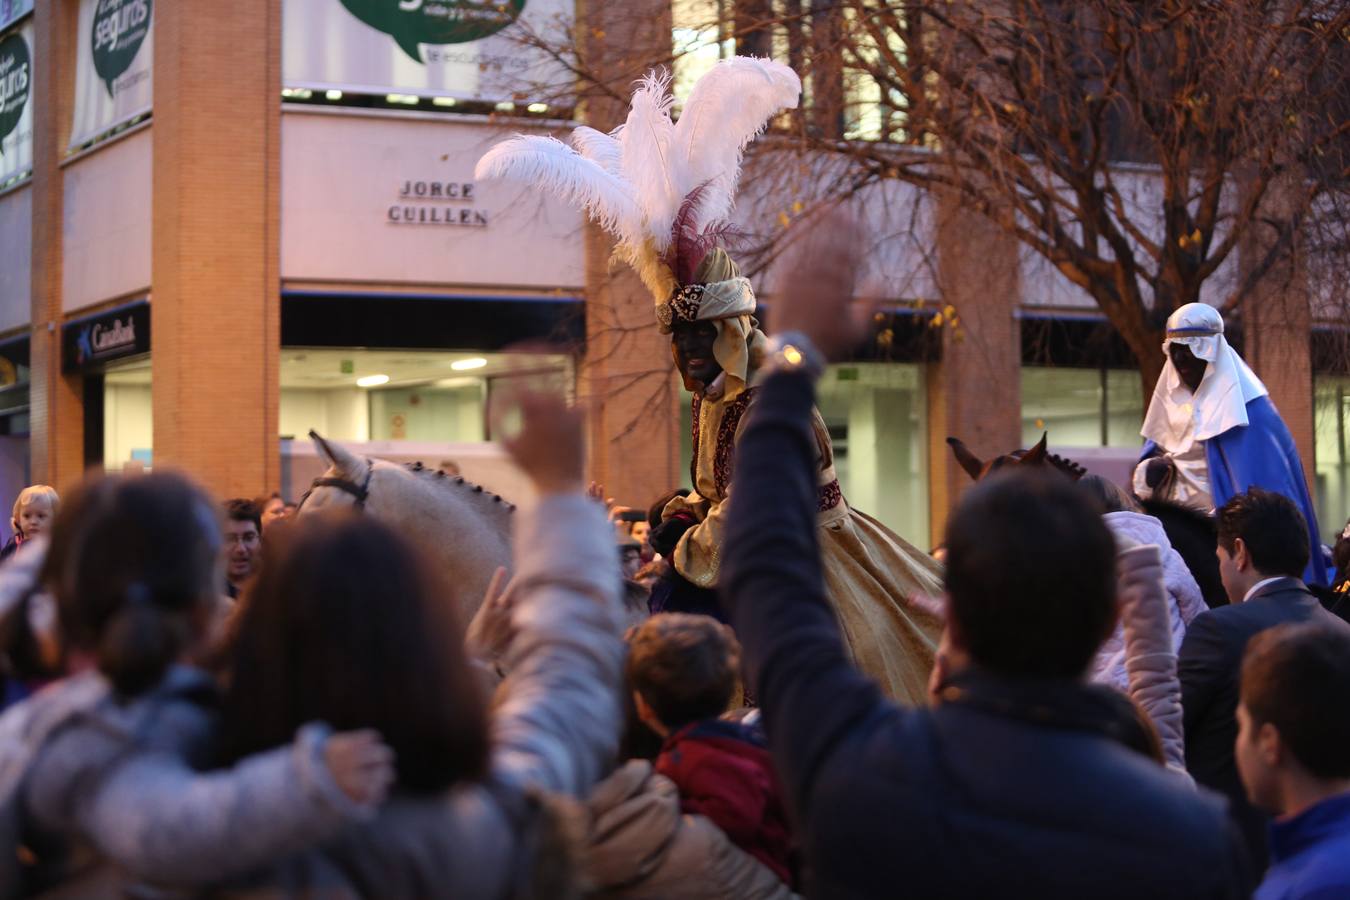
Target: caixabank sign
[{"x": 89, "y": 343}]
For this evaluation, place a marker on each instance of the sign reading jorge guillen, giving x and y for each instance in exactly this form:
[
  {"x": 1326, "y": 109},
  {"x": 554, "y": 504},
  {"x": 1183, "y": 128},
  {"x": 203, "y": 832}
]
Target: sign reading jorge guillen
[
  {"x": 113, "y": 70},
  {"x": 16, "y": 112},
  {"x": 432, "y": 48}
]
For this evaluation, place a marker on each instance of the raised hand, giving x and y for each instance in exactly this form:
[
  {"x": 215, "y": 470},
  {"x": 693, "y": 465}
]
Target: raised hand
[
  {"x": 817, "y": 298},
  {"x": 490, "y": 631},
  {"x": 361, "y": 764},
  {"x": 549, "y": 446}
]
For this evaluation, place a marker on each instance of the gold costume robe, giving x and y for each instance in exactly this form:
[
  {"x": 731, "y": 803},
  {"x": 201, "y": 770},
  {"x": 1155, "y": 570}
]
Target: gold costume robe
[{"x": 869, "y": 570}]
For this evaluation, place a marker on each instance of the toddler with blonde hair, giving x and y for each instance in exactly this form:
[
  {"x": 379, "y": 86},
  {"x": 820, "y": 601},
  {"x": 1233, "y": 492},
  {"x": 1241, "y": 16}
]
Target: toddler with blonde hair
[{"x": 34, "y": 509}]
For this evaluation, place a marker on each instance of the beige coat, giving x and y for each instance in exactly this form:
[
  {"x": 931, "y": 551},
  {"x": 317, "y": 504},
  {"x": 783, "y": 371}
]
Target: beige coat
[{"x": 641, "y": 845}]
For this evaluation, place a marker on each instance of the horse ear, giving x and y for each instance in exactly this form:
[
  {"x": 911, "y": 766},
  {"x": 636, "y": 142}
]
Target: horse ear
[
  {"x": 335, "y": 455},
  {"x": 968, "y": 461},
  {"x": 1037, "y": 454}
]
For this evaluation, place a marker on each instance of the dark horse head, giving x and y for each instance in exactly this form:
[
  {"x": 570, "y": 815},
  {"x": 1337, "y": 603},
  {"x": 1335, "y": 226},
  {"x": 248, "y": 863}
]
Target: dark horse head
[
  {"x": 1190, "y": 533},
  {"x": 1036, "y": 456}
]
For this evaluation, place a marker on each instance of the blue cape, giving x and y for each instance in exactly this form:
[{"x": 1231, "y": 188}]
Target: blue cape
[{"x": 1261, "y": 455}]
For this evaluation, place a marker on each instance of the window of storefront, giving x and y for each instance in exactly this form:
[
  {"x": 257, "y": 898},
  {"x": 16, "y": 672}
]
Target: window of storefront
[
  {"x": 877, "y": 416},
  {"x": 1331, "y": 423},
  {"x": 128, "y": 423},
  {"x": 402, "y": 395},
  {"x": 14, "y": 419},
  {"x": 1081, "y": 407}
]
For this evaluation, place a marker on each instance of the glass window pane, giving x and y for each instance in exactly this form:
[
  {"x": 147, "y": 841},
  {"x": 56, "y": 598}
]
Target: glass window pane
[
  {"x": 1331, "y": 424},
  {"x": 699, "y": 42},
  {"x": 1067, "y": 403},
  {"x": 128, "y": 423},
  {"x": 402, "y": 395},
  {"x": 877, "y": 416},
  {"x": 1124, "y": 408}
]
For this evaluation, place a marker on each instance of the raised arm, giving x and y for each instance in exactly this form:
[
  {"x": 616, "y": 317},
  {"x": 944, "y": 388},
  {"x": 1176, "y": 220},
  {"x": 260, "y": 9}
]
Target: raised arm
[
  {"x": 162, "y": 821},
  {"x": 774, "y": 589},
  {"x": 558, "y": 726},
  {"x": 1149, "y": 658},
  {"x": 773, "y": 585}
]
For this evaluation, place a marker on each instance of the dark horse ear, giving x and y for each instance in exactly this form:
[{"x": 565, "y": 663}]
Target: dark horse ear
[
  {"x": 1036, "y": 455},
  {"x": 969, "y": 461}
]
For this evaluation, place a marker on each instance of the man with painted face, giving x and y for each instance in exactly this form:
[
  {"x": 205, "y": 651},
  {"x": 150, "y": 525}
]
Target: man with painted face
[
  {"x": 870, "y": 572},
  {"x": 1212, "y": 432},
  {"x": 665, "y": 191}
]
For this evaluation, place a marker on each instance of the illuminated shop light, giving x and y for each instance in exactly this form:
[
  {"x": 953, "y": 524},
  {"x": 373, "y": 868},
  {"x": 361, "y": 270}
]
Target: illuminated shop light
[
  {"x": 463, "y": 365},
  {"x": 372, "y": 380}
]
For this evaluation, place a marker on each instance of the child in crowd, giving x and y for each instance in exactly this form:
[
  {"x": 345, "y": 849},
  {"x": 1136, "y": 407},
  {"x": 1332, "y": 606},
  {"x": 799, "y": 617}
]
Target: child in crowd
[
  {"x": 34, "y": 509},
  {"x": 683, "y": 670}
]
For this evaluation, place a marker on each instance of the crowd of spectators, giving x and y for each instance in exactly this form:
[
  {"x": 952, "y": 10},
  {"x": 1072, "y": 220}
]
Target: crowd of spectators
[{"x": 226, "y": 700}]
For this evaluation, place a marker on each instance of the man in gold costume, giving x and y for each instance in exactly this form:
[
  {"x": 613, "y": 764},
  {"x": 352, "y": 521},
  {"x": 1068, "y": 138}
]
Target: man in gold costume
[
  {"x": 665, "y": 190},
  {"x": 869, "y": 571}
]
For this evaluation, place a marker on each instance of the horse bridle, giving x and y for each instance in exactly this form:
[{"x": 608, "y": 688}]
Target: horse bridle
[{"x": 358, "y": 492}]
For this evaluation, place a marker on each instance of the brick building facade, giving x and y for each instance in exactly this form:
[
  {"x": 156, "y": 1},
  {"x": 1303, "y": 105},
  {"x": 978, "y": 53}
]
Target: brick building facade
[{"x": 271, "y": 243}]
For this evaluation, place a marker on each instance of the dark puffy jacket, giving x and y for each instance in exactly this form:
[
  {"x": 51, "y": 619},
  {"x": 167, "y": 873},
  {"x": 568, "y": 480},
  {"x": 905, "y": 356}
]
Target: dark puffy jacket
[{"x": 984, "y": 799}]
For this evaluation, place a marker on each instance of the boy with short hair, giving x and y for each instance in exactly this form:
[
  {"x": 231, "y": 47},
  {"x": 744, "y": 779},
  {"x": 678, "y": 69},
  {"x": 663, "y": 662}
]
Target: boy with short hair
[
  {"x": 1294, "y": 727},
  {"x": 684, "y": 670}
]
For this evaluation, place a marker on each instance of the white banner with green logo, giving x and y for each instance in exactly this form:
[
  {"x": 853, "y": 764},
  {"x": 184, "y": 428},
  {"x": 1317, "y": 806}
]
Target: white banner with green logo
[
  {"x": 464, "y": 49},
  {"x": 16, "y": 101},
  {"x": 113, "y": 82}
]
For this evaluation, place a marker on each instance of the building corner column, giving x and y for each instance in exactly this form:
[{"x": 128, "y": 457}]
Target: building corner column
[
  {"x": 627, "y": 374},
  {"x": 974, "y": 392},
  {"x": 215, "y": 275},
  {"x": 56, "y": 399},
  {"x": 1277, "y": 326}
]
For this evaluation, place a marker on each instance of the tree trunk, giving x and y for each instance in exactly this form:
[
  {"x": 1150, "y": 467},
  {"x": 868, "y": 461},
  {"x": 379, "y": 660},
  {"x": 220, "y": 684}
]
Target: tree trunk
[{"x": 1149, "y": 355}]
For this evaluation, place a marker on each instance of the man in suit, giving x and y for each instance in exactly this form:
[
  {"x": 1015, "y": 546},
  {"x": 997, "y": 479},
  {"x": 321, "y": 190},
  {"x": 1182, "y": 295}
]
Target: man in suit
[{"x": 1263, "y": 551}]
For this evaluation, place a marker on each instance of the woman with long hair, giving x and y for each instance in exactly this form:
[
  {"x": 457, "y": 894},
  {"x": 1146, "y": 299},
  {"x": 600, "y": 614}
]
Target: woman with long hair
[
  {"x": 96, "y": 780},
  {"x": 348, "y": 623}
]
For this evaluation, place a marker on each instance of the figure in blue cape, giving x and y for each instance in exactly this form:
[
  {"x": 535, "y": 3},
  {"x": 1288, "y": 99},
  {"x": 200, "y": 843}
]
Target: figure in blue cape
[{"x": 1212, "y": 432}]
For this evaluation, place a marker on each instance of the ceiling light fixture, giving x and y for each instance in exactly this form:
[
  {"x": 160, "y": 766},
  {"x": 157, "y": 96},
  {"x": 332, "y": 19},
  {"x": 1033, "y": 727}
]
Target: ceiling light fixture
[
  {"x": 372, "y": 380},
  {"x": 463, "y": 365}
]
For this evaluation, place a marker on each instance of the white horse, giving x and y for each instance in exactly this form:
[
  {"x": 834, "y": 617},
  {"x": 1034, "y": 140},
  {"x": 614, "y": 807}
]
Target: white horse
[{"x": 466, "y": 528}]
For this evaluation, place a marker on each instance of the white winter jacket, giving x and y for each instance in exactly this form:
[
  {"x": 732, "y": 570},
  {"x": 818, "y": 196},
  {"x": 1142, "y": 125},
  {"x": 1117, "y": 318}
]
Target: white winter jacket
[{"x": 1183, "y": 594}]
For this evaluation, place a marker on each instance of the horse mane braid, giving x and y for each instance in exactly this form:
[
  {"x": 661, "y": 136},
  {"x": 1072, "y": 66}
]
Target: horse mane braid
[
  {"x": 417, "y": 468},
  {"x": 1067, "y": 466}
]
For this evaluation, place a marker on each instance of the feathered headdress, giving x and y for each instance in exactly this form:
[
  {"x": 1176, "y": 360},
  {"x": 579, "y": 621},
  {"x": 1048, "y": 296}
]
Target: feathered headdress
[{"x": 663, "y": 189}]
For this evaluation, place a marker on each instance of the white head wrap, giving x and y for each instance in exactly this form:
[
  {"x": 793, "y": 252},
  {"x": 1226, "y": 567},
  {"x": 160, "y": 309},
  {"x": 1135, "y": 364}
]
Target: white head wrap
[
  {"x": 728, "y": 301},
  {"x": 1176, "y": 418}
]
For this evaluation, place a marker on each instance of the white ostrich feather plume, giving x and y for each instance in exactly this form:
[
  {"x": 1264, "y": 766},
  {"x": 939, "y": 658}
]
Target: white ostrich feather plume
[
  {"x": 633, "y": 180},
  {"x": 728, "y": 106},
  {"x": 601, "y": 148},
  {"x": 556, "y": 167},
  {"x": 646, "y": 141}
]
